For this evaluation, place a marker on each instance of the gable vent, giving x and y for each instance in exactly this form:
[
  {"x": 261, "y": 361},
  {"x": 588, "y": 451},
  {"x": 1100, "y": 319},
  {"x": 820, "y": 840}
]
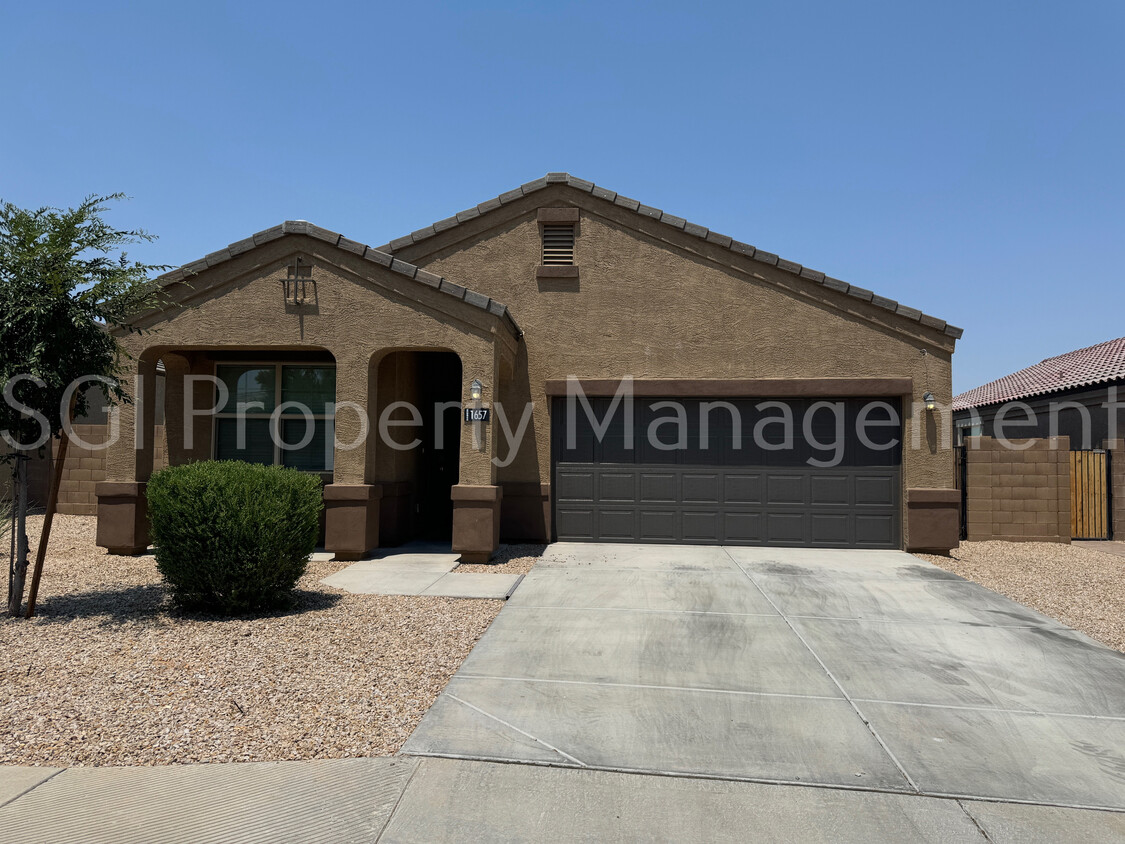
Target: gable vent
[{"x": 558, "y": 244}]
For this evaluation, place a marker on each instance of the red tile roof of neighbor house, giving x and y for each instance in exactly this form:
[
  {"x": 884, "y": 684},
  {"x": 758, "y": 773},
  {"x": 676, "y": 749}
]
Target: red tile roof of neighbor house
[{"x": 1083, "y": 367}]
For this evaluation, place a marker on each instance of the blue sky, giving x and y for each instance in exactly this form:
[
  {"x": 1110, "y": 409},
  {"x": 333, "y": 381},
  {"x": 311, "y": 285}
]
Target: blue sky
[{"x": 965, "y": 158}]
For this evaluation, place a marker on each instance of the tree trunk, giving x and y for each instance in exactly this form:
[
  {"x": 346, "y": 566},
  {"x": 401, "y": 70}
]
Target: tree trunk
[
  {"x": 18, "y": 572},
  {"x": 48, "y": 520}
]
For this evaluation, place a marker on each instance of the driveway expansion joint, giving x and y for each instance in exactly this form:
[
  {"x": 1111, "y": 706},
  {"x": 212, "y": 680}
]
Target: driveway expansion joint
[
  {"x": 524, "y": 733},
  {"x": 832, "y": 677}
]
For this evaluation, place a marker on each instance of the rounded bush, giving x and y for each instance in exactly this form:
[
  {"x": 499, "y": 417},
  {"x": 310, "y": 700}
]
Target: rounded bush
[{"x": 233, "y": 537}]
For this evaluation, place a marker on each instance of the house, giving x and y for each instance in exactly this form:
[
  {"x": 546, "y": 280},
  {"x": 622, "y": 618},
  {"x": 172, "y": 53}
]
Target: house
[
  {"x": 1080, "y": 395},
  {"x": 1078, "y": 398},
  {"x": 557, "y": 363}
]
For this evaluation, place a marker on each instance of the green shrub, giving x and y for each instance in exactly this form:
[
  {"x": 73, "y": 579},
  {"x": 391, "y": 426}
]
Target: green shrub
[{"x": 233, "y": 537}]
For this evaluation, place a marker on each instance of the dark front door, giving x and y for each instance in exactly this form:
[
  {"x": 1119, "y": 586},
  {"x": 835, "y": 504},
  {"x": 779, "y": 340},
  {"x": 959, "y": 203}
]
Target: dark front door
[
  {"x": 439, "y": 381},
  {"x": 745, "y": 481}
]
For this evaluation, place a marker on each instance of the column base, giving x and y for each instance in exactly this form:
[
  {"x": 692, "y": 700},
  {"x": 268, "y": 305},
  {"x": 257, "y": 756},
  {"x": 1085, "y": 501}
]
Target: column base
[
  {"x": 933, "y": 520},
  {"x": 351, "y": 519},
  {"x": 476, "y": 521},
  {"x": 122, "y": 517}
]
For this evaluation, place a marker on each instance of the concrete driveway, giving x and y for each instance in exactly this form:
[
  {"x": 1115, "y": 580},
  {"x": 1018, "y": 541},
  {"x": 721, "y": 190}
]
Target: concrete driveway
[{"x": 861, "y": 670}]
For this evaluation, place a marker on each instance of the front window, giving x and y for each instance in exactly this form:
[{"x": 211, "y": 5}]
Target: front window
[{"x": 277, "y": 414}]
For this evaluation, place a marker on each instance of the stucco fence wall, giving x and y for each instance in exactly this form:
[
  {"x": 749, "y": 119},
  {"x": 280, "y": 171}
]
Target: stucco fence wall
[{"x": 1019, "y": 494}]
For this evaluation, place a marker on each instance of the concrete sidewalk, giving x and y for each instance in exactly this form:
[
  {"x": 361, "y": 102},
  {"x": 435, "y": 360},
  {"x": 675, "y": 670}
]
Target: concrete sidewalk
[
  {"x": 420, "y": 568},
  {"x": 404, "y": 799}
]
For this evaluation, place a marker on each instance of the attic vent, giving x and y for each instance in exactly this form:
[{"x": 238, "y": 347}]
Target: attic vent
[{"x": 558, "y": 244}]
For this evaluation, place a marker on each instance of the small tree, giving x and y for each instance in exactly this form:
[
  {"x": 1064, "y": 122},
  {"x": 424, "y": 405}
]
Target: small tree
[{"x": 63, "y": 284}]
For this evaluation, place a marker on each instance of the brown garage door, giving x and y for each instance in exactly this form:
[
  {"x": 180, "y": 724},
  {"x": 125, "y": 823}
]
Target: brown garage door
[{"x": 748, "y": 482}]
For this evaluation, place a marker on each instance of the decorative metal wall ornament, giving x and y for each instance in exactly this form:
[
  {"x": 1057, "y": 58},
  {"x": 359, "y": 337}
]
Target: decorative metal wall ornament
[{"x": 300, "y": 287}]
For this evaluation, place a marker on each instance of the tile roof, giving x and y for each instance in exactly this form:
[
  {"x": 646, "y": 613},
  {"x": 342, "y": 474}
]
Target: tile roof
[
  {"x": 683, "y": 225},
  {"x": 1080, "y": 368},
  {"x": 375, "y": 256}
]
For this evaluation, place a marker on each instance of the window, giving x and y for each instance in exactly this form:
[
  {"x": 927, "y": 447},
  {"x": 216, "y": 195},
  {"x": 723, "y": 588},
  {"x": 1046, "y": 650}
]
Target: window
[
  {"x": 558, "y": 244},
  {"x": 965, "y": 428},
  {"x": 264, "y": 419}
]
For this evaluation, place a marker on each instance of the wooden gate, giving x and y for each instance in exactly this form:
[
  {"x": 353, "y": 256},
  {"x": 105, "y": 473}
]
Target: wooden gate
[{"x": 1089, "y": 495}]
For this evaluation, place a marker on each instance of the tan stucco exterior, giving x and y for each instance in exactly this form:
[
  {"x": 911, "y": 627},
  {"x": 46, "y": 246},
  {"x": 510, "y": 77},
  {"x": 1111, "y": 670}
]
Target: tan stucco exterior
[{"x": 649, "y": 301}]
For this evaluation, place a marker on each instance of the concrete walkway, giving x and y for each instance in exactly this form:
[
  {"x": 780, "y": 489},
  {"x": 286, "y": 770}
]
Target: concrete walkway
[
  {"x": 421, "y": 569},
  {"x": 433, "y": 800}
]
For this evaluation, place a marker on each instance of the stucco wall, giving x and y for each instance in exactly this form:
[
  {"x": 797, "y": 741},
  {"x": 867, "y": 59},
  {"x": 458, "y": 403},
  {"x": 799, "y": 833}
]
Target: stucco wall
[
  {"x": 651, "y": 303},
  {"x": 361, "y": 311}
]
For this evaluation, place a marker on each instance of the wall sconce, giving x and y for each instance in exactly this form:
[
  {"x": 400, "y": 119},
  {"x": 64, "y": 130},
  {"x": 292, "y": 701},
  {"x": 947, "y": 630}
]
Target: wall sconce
[
  {"x": 476, "y": 390},
  {"x": 929, "y": 399}
]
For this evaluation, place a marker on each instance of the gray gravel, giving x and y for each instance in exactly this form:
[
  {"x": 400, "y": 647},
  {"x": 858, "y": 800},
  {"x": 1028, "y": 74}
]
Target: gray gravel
[
  {"x": 110, "y": 674},
  {"x": 1082, "y": 588}
]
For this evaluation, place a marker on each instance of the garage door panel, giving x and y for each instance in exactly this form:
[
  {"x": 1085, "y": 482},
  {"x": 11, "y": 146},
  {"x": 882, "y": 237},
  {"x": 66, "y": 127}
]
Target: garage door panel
[
  {"x": 575, "y": 523},
  {"x": 876, "y": 531},
  {"x": 876, "y": 490},
  {"x": 701, "y": 526},
  {"x": 786, "y": 528},
  {"x": 700, "y": 487},
  {"x": 574, "y": 485},
  {"x": 620, "y": 486},
  {"x": 742, "y": 488},
  {"x": 743, "y": 528},
  {"x": 658, "y": 525},
  {"x": 830, "y": 529},
  {"x": 659, "y": 487},
  {"x": 616, "y": 524},
  {"x": 747, "y": 495},
  {"x": 788, "y": 488},
  {"x": 831, "y": 489}
]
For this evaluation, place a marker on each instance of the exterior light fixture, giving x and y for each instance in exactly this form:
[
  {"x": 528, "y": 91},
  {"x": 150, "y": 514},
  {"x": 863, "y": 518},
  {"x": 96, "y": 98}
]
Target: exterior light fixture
[
  {"x": 476, "y": 390},
  {"x": 929, "y": 399}
]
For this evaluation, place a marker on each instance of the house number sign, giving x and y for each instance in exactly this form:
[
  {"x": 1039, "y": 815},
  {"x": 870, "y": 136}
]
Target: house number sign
[{"x": 477, "y": 414}]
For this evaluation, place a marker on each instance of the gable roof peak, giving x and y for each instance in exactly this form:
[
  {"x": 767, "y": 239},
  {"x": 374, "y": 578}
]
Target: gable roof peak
[
  {"x": 679, "y": 223},
  {"x": 375, "y": 256}
]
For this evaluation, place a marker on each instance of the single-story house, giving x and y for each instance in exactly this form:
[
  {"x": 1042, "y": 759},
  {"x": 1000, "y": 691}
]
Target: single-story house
[
  {"x": 499, "y": 316},
  {"x": 1080, "y": 395}
]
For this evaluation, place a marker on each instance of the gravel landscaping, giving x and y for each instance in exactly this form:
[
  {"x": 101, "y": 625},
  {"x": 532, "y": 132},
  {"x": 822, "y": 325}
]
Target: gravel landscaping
[
  {"x": 109, "y": 674},
  {"x": 509, "y": 559},
  {"x": 1080, "y": 587}
]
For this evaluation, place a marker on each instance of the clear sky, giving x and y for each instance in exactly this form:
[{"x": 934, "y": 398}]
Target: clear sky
[{"x": 965, "y": 158}]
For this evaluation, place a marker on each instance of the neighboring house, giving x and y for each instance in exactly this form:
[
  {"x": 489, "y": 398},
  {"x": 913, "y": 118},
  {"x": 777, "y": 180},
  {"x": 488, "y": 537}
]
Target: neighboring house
[
  {"x": 500, "y": 304},
  {"x": 1080, "y": 395}
]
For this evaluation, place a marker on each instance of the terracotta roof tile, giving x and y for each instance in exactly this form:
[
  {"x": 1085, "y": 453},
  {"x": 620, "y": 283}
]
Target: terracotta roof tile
[{"x": 1080, "y": 368}]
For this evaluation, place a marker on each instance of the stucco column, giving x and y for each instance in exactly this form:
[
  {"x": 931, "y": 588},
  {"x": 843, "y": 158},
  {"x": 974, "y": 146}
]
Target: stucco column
[
  {"x": 122, "y": 509},
  {"x": 176, "y": 369},
  {"x": 351, "y": 501},
  {"x": 476, "y": 497}
]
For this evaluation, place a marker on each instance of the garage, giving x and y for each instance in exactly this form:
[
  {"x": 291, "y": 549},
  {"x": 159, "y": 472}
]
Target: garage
[{"x": 787, "y": 472}]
